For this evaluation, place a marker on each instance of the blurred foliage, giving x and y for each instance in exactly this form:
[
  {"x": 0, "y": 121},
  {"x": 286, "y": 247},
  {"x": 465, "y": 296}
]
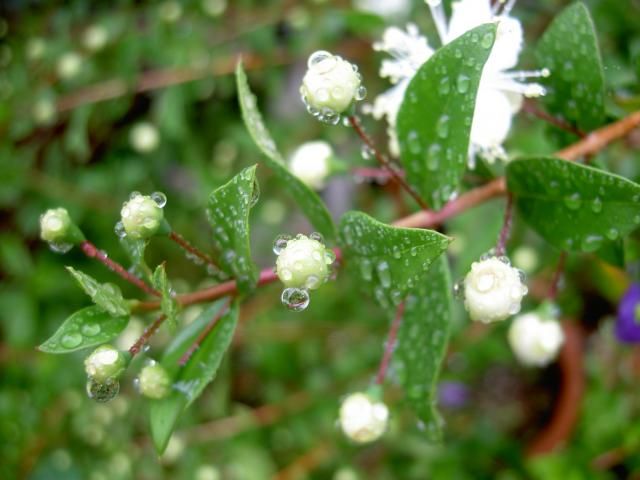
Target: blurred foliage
[{"x": 66, "y": 123}]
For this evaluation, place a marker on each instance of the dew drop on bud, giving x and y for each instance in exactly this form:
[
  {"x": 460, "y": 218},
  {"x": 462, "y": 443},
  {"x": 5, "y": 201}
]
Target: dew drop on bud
[
  {"x": 255, "y": 193},
  {"x": 458, "y": 289},
  {"x": 160, "y": 199},
  {"x": 317, "y": 237},
  {"x": 120, "y": 231},
  {"x": 60, "y": 247},
  {"x": 280, "y": 243},
  {"x": 102, "y": 392},
  {"x": 134, "y": 194},
  {"x": 296, "y": 299}
]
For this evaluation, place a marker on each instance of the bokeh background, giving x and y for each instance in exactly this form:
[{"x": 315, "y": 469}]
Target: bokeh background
[{"x": 98, "y": 99}]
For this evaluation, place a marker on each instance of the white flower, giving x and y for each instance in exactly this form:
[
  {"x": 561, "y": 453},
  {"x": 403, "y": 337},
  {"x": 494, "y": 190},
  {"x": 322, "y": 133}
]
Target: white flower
[
  {"x": 536, "y": 341},
  {"x": 302, "y": 262},
  {"x": 493, "y": 290},
  {"x": 105, "y": 363},
  {"x": 500, "y": 92},
  {"x": 141, "y": 216},
  {"x": 69, "y": 65},
  {"x": 310, "y": 162},
  {"x": 144, "y": 137},
  {"x": 362, "y": 419},
  {"x": 154, "y": 381},
  {"x": 330, "y": 86},
  {"x": 54, "y": 225},
  {"x": 385, "y": 8},
  {"x": 95, "y": 38}
]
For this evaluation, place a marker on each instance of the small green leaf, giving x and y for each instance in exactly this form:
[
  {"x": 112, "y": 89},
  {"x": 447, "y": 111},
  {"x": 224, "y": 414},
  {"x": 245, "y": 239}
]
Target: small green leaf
[
  {"x": 86, "y": 328},
  {"x": 422, "y": 342},
  {"x": 569, "y": 49},
  {"x": 168, "y": 304},
  {"x": 107, "y": 296},
  {"x": 134, "y": 249},
  {"x": 390, "y": 260},
  {"x": 434, "y": 121},
  {"x": 308, "y": 201},
  {"x": 200, "y": 370},
  {"x": 228, "y": 213},
  {"x": 572, "y": 206}
]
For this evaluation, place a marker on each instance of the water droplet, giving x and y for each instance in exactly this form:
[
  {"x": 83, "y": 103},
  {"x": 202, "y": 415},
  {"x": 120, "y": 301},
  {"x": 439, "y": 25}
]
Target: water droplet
[
  {"x": 296, "y": 299},
  {"x": 442, "y": 128},
  {"x": 280, "y": 243},
  {"x": 444, "y": 87},
  {"x": 317, "y": 237},
  {"x": 120, "y": 231},
  {"x": 60, "y": 247},
  {"x": 596, "y": 205},
  {"x": 102, "y": 391},
  {"x": 160, "y": 199},
  {"x": 591, "y": 243},
  {"x": 255, "y": 193},
  {"x": 71, "y": 340},
  {"x": 613, "y": 233},
  {"x": 316, "y": 58},
  {"x": 573, "y": 201},
  {"x": 413, "y": 142},
  {"x": 433, "y": 156},
  {"x": 134, "y": 194},
  {"x": 366, "y": 269},
  {"x": 367, "y": 152},
  {"x": 636, "y": 219},
  {"x": 463, "y": 83},
  {"x": 384, "y": 274},
  {"x": 487, "y": 40},
  {"x": 361, "y": 93},
  {"x": 90, "y": 329}
]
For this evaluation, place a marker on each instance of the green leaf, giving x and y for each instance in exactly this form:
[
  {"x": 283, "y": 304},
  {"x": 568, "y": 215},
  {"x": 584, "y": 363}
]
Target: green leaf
[
  {"x": 308, "y": 200},
  {"x": 134, "y": 249},
  {"x": 228, "y": 213},
  {"x": 572, "y": 206},
  {"x": 86, "y": 328},
  {"x": 168, "y": 304},
  {"x": 191, "y": 379},
  {"x": 434, "y": 121},
  {"x": 569, "y": 49},
  {"x": 107, "y": 296},
  {"x": 422, "y": 342},
  {"x": 390, "y": 260}
]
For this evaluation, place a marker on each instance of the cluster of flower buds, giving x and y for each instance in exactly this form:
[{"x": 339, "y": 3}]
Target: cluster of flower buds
[{"x": 536, "y": 337}]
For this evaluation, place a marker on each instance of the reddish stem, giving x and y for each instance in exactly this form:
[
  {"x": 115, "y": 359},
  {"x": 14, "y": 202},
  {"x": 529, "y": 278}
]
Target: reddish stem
[
  {"x": 146, "y": 335},
  {"x": 91, "y": 251},
  {"x": 390, "y": 345},
  {"x": 501, "y": 247},
  {"x": 355, "y": 123},
  {"x": 204, "y": 334},
  {"x": 557, "y": 275},
  {"x": 530, "y": 107},
  {"x": 184, "y": 243}
]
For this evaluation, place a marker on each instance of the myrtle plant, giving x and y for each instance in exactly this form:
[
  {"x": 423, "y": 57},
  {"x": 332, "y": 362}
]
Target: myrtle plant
[{"x": 448, "y": 117}]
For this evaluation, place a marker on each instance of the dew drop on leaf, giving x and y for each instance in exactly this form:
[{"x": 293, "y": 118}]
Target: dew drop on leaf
[
  {"x": 71, "y": 340},
  {"x": 90, "y": 329},
  {"x": 573, "y": 201}
]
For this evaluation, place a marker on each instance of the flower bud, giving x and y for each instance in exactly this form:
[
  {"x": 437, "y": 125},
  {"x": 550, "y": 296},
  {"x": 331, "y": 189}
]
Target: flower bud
[
  {"x": 104, "y": 363},
  {"x": 154, "y": 381},
  {"x": 144, "y": 137},
  {"x": 493, "y": 290},
  {"x": 330, "y": 85},
  {"x": 535, "y": 340},
  {"x": 141, "y": 216},
  {"x": 362, "y": 419},
  {"x": 56, "y": 227},
  {"x": 303, "y": 263},
  {"x": 69, "y": 65},
  {"x": 311, "y": 163},
  {"x": 95, "y": 38}
]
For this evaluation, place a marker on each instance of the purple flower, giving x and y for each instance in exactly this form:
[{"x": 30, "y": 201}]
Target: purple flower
[
  {"x": 628, "y": 323},
  {"x": 453, "y": 394}
]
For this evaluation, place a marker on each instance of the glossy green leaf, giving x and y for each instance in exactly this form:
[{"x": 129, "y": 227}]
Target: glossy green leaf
[
  {"x": 569, "y": 49},
  {"x": 422, "y": 342},
  {"x": 572, "y": 206},
  {"x": 390, "y": 260},
  {"x": 228, "y": 213},
  {"x": 86, "y": 328},
  {"x": 134, "y": 248},
  {"x": 191, "y": 379},
  {"x": 434, "y": 121},
  {"x": 168, "y": 304},
  {"x": 107, "y": 296},
  {"x": 308, "y": 200}
]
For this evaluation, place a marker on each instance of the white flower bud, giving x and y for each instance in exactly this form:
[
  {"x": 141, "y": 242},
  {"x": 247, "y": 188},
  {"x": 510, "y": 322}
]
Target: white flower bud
[
  {"x": 69, "y": 65},
  {"x": 154, "y": 381},
  {"x": 95, "y": 38},
  {"x": 54, "y": 225},
  {"x": 536, "y": 341},
  {"x": 362, "y": 419},
  {"x": 144, "y": 137},
  {"x": 141, "y": 216},
  {"x": 493, "y": 290},
  {"x": 304, "y": 263},
  {"x": 105, "y": 363},
  {"x": 331, "y": 84},
  {"x": 311, "y": 163}
]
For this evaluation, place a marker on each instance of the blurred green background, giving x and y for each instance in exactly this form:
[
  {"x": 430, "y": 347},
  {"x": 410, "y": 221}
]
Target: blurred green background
[{"x": 78, "y": 78}]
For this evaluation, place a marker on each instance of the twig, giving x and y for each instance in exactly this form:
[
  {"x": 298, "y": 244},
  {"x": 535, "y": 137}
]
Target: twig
[
  {"x": 184, "y": 243},
  {"x": 204, "y": 334},
  {"x": 385, "y": 163},
  {"x": 557, "y": 275},
  {"x": 530, "y": 107},
  {"x": 146, "y": 335},
  {"x": 390, "y": 345},
  {"x": 501, "y": 247},
  {"x": 305, "y": 463},
  {"x": 91, "y": 251}
]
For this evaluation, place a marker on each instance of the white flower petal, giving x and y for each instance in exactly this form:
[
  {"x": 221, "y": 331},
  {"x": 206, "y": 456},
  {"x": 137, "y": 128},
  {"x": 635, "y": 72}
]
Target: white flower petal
[
  {"x": 491, "y": 119},
  {"x": 467, "y": 14}
]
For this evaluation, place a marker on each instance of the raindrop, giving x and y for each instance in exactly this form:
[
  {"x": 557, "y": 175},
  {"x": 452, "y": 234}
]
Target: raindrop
[
  {"x": 366, "y": 269},
  {"x": 280, "y": 243},
  {"x": 487, "y": 40},
  {"x": 384, "y": 274},
  {"x": 318, "y": 57},
  {"x": 296, "y": 299},
  {"x": 255, "y": 193},
  {"x": 458, "y": 290},
  {"x": 573, "y": 201},
  {"x": 120, "y": 231},
  {"x": 444, "y": 87},
  {"x": 613, "y": 233},
  {"x": 596, "y": 205},
  {"x": 463, "y": 83},
  {"x": 134, "y": 194},
  {"x": 317, "y": 237},
  {"x": 90, "y": 329},
  {"x": 71, "y": 340},
  {"x": 433, "y": 156},
  {"x": 591, "y": 243},
  {"x": 60, "y": 247},
  {"x": 442, "y": 128},
  {"x": 160, "y": 199},
  {"x": 361, "y": 92},
  {"x": 102, "y": 391},
  {"x": 413, "y": 141},
  {"x": 367, "y": 152},
  {"x": 329, "y": 257}
]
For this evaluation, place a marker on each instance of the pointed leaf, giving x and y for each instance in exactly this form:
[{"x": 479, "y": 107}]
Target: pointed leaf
[
  {"x": 191, "y": 379},
  {"x": 86, "y": 328},
  {"x": 107, "y": 296},
  {"x": 168, "y": 304},
  {"x": 390, "y": 260},
  {"x": 572, "y": 206},
  {"x": 434, "y": 121},
  {"x": 308, "y": 201},
  {"x": 134, "y": 249},
  {"x": 228, "y": 213},
  {"x": 422, "y": 342},
  {"x": 569, "y": 49}
]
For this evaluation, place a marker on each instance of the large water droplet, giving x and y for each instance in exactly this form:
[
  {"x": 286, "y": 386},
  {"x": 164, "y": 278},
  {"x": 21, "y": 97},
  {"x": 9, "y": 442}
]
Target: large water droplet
[
  {"x": 591, "y": 243},
  {"x": 317, "y": 237},
  {"x": 596, "y": 205},
  {"x": 71, "y": 340},
  {"x": 433, "y": 156},
  {"x": 102, "y": 391},
  {"x": 413, "y": 141},
  {"x": 90, "y": 329},
  {"x": 442, "y": 128},
  {"x": 573, "y": 201},
  {"x": 280, "y": 243},
  {"x": 613, "y": 233},
  {"x": 463, "y": 83},
  {"x": 384, "y": 274},
  {"x": 160, "y": 199},
  {"x": 120, "y": 231},
  {"x": 60, "y": 247},
  {"x": 487, "y": 40},
  {"x": 444, "y": 87},
  {"x": 296, "y": 299}
]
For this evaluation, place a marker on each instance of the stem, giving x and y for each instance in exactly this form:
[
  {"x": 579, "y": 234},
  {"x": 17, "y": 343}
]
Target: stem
[
  {"x": 555, "y": 282},
  {"x": 204, "y": 334},
  {"x": 390, "y": 345},
  {"x": 501, "y": 247},
  {"x": 146, "y": 335},
  {"x": 180, "y": 240},
  {"x": 91, "y": 251},
  {"x": 355, "y": 123},
  {"x": 530, "y": 107}
]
